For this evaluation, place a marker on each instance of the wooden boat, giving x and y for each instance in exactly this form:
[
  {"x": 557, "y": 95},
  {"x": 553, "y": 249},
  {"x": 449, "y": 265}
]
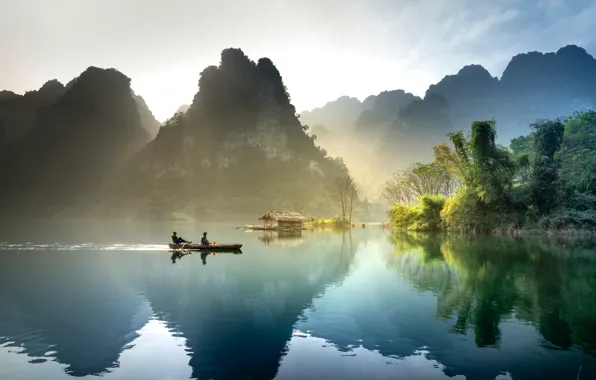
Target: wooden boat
[{"x": 199, "y": 247}]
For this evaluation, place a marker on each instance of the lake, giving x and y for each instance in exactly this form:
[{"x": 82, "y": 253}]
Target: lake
[{"x": 91, "y": 299}]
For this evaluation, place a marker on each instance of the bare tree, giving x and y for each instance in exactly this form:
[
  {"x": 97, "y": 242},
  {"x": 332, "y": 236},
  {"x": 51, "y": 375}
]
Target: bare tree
[
  {"x": 344, "y": 192},
  {"x": 353, "y": 200},
  {"x": 408, "y": 186},
  {"x": 299, "y": 203}
]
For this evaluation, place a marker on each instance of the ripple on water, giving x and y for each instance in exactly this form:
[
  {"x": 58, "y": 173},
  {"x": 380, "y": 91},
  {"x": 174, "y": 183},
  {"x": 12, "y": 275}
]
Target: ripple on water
[{"x": 82, "y": 247}]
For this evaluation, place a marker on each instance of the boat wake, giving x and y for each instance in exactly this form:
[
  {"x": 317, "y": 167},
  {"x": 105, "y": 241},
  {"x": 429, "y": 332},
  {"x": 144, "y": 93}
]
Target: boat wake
[{"x": 82, "y": 247}]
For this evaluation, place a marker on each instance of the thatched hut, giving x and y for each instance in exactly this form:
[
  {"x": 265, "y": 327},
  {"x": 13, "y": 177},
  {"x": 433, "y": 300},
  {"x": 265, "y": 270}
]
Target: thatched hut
[{"x": 283, "y": 220}]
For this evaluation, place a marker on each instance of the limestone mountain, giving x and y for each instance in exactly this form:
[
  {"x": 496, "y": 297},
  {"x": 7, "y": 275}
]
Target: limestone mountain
[
  {"x": 148, "y": 120},
  {"x": 18, "y": 111},
  {"x": 381, "y": 110},
  {"x": 339, "y": 113},
  {"x": 77, "y": 141},
  {"x": 239, "y": 146}
]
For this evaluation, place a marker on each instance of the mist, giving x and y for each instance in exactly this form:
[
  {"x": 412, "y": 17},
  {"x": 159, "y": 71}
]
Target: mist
[
  {"x": 390, "y": 131},
  {"x": 93, "y": 148}
]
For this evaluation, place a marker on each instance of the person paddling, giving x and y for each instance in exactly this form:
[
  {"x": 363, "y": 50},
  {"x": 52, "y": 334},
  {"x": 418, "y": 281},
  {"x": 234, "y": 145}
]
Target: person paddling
[{"x": 177, "y": 239}]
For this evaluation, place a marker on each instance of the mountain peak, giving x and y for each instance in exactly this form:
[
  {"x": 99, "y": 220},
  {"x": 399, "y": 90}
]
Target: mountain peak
[
  {"x": 574, "y": 51},
  {"x": 475, "y": 70},
  {"x": 51, "y": 85}
]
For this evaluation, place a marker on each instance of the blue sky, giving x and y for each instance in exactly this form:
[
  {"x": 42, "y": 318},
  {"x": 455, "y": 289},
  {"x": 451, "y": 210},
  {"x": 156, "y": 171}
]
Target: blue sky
[{"x": 323, "y": 48}]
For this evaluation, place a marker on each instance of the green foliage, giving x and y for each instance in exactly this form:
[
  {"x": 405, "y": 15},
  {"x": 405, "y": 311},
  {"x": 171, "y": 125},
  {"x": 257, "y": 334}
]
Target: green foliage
[
  {"x": 548, "y": 136},
  {"x": 402, "y": 216},
  {"x": 522, "y": 145},
  {"x": 429, "y": 213},
  {"x": 548, "y": 180},
  {"x": 461, "y": 210},
  {"x": 486, "y": 172},
  {"x": 578, "y": 154},
  {"x": 425, "y": 216}
]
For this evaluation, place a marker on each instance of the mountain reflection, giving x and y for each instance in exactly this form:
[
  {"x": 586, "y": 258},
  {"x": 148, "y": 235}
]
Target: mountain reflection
[
  {"x": 75, "y": 304},
  {"x": 236, "y": 315},
  {"x": 482, "y": 281}
]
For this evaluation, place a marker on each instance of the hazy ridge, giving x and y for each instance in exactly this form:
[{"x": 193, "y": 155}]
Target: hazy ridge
[{"x": 94, "y": 147}]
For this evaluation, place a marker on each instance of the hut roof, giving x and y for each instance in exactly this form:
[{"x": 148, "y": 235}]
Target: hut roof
[{"x": 283, "y": 216}]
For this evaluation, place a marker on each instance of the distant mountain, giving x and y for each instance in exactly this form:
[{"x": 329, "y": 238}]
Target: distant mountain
[
  {"x": 392, "y": 136},
  {"x": 382, "y": 110},
  {"x": 339, "y": 113},
  {"x": 183, "y": 108},
  {"x": 148, "y": 120}
]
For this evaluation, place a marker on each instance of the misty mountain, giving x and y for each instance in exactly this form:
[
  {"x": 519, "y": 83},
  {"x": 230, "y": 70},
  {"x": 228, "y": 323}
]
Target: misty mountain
[
  {"x": 337, "y": 114},
  {"x": 75, "y": 142},
  {"x": 401, "y": 131},
  {"x": 381, "y": 110},
  {"x": 19, "y": 112},
  {"x": 148, "y": 121},
  {"x": 238, "y": 148},
  {"x": 183, "y": 108}
]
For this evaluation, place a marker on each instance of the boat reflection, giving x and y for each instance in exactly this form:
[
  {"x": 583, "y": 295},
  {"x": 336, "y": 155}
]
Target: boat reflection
[{"x": 179, "y": 254}]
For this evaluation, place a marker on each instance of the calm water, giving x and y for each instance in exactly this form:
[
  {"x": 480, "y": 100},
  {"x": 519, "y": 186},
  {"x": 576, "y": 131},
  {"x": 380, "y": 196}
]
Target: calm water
[{"x": 106, "y": 300}]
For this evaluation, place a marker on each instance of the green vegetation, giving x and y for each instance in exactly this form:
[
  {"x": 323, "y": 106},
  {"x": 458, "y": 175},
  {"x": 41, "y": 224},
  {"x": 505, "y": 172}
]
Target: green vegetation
[{"x": 546, "y": 180}]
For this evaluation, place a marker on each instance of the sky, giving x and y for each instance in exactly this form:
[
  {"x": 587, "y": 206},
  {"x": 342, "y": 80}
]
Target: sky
[{"x": 324, "y": 49}]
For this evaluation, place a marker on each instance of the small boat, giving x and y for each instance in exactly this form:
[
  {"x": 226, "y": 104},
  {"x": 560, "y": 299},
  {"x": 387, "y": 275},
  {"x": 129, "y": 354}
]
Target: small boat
[{"x": 214, "y": 247}]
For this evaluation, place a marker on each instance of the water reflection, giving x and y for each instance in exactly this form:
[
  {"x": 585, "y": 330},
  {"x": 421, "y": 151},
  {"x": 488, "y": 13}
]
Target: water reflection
[
  {"x": 282, "y": 238},
  {"x": 481, "y": 282},
  {"x": 177, "y": 255},
  {"x": 87, "y": 307},
  {"x": 350, "y": 305}
]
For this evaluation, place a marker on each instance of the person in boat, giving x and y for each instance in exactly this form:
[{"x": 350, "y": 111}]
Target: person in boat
[
  {"x": 204, "y": 240},
  {"x": 178, "y": 240}
]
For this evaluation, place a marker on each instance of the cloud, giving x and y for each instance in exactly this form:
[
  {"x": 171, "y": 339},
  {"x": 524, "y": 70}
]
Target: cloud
[{"x": 323, "y": 48}]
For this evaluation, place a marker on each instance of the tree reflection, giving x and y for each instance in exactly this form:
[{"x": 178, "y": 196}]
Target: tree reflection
[{"x": 481, "y": 281}]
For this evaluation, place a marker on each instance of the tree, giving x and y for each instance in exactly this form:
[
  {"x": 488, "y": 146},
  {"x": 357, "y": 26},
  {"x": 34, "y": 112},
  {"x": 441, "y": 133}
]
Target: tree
[
  {"x": 548, "y": 136},
  {"x": 344, "y": 193},
  {"x": 478, "y": 162},
  {"x": 408, "y": 186},
  {"x": 299, "y": 203},
  {"x": 578, "y": 154},
  {"x": 486, "y": 172}
]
